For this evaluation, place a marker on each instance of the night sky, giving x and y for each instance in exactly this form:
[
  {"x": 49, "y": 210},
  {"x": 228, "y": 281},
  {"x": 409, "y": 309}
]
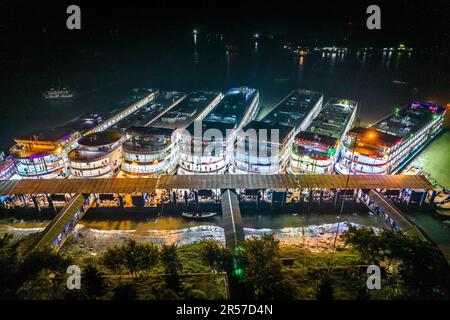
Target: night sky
[
  {"x": 419, "y": 23},
  {"x": 33, "y": 34}
]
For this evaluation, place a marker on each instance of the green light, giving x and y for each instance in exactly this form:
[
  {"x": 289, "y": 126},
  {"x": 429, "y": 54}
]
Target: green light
[
  {"x": 331, "y": 152},
  {"x": 238, "y": 273}
]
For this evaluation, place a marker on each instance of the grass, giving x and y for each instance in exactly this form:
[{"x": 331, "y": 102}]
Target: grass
[
  {"x": 348, "y": 278},
  {"x": 153, "y": 287},
  {"x": 343, "y": 267}
]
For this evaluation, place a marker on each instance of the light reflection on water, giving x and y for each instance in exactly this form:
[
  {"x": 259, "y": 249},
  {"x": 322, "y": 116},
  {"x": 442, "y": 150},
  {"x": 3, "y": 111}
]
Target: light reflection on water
[
  {"x": 200, "y": 66},
  {"x": 252, "y": 221}
]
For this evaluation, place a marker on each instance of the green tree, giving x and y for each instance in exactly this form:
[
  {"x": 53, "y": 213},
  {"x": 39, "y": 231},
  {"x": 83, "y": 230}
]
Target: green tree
[
  {"x": 8, "y": 265},
  {"x": 45, "y": 285},
  {"x": 134, "y": 257},
  {"x": 216, "y": 257},
  {"x": 196, "y": 294},
  {"x": 422, "y": 269},
  {"x": 125, "y": 292},
  {"x": 172, "y": 266},
  {"x": 325, "y": 289},
  {"x": 263, "y": 268},
  {"x": 93, "y": 282},
  {"x": 42, "y": 259},
  {"x": 366, "y": 242},
  {"x": 114, "y": 260}
]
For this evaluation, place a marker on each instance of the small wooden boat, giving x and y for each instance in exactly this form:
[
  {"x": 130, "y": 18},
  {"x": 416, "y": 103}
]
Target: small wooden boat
[
  {"x": 198, "y": 215},
  {"x": 443, "y": 213},
  {"x": 445, "y": 205}
]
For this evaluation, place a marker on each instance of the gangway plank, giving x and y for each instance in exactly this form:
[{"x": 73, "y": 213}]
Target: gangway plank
[
  {"x": 63, "y": 223},
  {"x": 234, "y": 229}
]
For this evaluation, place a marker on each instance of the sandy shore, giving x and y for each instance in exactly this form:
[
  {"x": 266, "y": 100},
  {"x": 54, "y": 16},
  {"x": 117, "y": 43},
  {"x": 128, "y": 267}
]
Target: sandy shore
[{"x": 92, "y": 241}]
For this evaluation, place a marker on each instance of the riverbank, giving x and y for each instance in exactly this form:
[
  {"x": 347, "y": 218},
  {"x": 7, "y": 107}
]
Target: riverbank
[{"x": 92, "y": 242}]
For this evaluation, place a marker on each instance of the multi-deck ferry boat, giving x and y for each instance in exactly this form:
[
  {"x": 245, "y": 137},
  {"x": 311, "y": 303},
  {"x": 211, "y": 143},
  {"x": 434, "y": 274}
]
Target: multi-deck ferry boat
[
  {"x": 58, "y": 94},
  {"x": 7, "y": 167},
  {"x": 206, "y": 147},
  {"x": 316, "y": 149},
  {"x": 388, "y": 145},
  {"x": 263, "y": 147}
]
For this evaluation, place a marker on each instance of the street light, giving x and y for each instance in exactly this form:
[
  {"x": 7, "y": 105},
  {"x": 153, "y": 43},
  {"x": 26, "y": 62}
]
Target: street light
[{"x": 370, "y": 135}]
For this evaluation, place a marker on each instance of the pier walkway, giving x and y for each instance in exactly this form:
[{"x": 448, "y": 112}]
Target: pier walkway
[
  {"x": 59, "y": 229},
  {"x": 238, "y": 181},
  {"x": 382, "y": 206},
  {"x": 233, "y": 227}
]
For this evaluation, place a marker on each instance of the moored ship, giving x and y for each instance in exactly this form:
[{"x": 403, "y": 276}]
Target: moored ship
[
  {"x": 58, "y": 94},
  {"x": 316, "y": 149},
  {"x": 7, "y": 167},
  {"x": 387, "y": 146}
]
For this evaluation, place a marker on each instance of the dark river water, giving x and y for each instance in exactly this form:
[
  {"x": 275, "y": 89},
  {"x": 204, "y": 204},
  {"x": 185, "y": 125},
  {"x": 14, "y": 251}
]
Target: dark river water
[{"x": 379, "y": 81}]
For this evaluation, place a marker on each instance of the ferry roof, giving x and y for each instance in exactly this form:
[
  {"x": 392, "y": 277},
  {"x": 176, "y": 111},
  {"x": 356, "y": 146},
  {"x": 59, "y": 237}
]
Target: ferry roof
[
  {"x": 206, "y": 125},
  {"x": 293, "y": 109},
  {"x": 185, "y": 112},
  {"x": 51, "y": 135},
  {"x": 283, "y": 131},
  {"x": 148, "y": 113},
  {"x": 314, "y": 138},
  {"x": 145, "y": 139},
  {"x": 233, "y": 106},
  {"x": 333, "y": 118},
  {"x": 85, "y": 152},
  {"x": 405, "y": 122},
  {"x": 329, "y": 125},
  {"x": 375, "y": 136},
  {"x": 99, "y": 139},
  {"x": 148, "y": 131}
]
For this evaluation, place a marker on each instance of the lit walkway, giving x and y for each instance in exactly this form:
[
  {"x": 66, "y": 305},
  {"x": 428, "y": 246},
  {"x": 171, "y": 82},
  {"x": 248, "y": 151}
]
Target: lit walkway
[
  {"x": 61, "y": 226},
  {"x": 232, "y": 220},
  {"x": 378, "y": 203},
  {"x": 238, "y": 181}
]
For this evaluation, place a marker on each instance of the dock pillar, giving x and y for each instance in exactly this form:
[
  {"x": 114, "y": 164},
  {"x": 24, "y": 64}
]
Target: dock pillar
[
  {"x": 258, "y": 199},
  {"x": 174, "y": 196},
  {"x": 186, "y": 199},
  {"x": 24, "y": 200},
  {"x": 272, "y": 200},
  {"x": 196, "y": 198},
  {"x": 422, "y": 199},
  {"x": 51, "y": 205},
  {"x": 433, "y": 196},
  {"x": 336, "y": 197},
  {"x": 408, "y": 202},
  {"x": 310, "y": 198},
  {"x": 355, "y": 194},
  {"x": 121, "y": 202},
  {"x": 36, "y": 203},
  {"x": 321, "y": 197}
]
